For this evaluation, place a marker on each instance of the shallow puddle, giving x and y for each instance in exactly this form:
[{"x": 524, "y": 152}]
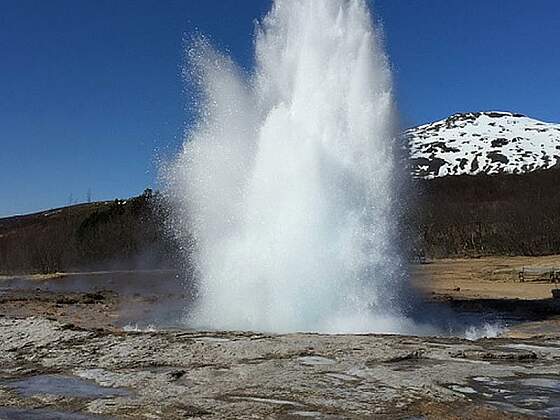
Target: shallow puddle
[
  {"x": 267, "y": 400},
  {"x": 463, "y": 389},
  {"x": 210, "y": 339},
  {"x": 43, "y": 414},
  {"x": 343, "y": 377},
  {"x": 546, "y": 383},
  {"x": 61, "y": 385},
  {"x": 534, "y": 396},
  {"x": 316, "y": 361}
]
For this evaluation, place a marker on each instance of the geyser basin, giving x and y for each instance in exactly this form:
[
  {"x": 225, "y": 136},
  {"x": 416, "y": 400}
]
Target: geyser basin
[{"x": 287, "y": 181}]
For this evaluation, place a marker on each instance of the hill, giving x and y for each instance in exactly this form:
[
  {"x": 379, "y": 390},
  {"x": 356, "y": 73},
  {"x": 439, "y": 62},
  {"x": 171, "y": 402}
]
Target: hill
[
  {"x": 122, "y": 234},
  {"x": 482, "y": 184},
  {"x": 476, "y": 215},
  {"x": 465, "y": 215},
  {"x": 483, "y": 143}
]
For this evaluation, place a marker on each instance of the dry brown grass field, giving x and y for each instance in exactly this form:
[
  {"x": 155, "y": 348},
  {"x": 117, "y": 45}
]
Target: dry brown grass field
[{"x": 484, "y": 278}]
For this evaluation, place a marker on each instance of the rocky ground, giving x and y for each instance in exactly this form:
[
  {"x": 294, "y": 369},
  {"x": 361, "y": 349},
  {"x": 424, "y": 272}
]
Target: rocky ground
[
  {"x": 51, "y": 369},
  {"x": 65, "y": 354}
]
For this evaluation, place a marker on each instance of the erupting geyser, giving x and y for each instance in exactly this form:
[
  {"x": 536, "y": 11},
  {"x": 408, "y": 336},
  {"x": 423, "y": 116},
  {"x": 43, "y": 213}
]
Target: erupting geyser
[{"x": 287, "y": 180}]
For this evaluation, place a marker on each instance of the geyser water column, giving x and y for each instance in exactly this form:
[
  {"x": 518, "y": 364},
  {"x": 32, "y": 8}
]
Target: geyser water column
[{"x": 286, "y": 182}]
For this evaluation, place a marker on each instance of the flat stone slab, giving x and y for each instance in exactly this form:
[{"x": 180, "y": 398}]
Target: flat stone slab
[{"x": 50, "y": 368}]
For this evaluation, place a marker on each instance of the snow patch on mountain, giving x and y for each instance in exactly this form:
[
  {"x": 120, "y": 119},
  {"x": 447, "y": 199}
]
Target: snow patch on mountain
[{"x": 483, "y": 143}]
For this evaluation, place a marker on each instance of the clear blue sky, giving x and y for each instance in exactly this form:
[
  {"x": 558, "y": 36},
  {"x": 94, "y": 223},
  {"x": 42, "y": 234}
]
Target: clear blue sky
[{"x": 90, "y": 90}]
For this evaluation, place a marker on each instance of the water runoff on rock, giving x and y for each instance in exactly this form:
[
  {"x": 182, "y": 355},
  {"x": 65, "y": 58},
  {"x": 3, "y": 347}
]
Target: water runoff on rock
[{"x": 286, "y": 182}]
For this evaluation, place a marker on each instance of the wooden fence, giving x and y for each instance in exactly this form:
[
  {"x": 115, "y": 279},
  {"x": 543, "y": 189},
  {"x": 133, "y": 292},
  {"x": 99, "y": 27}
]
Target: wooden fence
[{"x": 551, "y": 275}]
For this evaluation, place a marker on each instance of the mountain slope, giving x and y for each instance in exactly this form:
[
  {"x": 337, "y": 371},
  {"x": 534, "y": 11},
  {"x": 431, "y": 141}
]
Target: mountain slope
[
  {"x": 483, "y": 143},
  {"x": 122, "y": 234}
]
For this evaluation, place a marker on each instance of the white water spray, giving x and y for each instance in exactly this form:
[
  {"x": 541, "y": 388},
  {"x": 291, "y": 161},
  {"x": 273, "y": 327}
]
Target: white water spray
[{"x": 287, "y": 180}]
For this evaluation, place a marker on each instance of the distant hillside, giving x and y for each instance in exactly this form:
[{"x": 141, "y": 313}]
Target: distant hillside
[
  {"x": 484, "y": 183},
  {"x": 483, "y": 143},
  {"x": 502, "y": 199},
  {"x": 103, "y": 235},
  {"x": 479, "y": 215},
  {"x": 444, "y": 217}
]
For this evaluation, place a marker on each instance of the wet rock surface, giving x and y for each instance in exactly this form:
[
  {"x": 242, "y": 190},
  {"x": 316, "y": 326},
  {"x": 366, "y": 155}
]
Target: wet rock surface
[
  {"x": 52, "y": 369},
  {"x": 90, "y": 348}
]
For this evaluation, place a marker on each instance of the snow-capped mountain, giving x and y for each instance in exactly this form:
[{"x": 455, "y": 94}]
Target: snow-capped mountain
[{"x": 483, "y": 143}]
